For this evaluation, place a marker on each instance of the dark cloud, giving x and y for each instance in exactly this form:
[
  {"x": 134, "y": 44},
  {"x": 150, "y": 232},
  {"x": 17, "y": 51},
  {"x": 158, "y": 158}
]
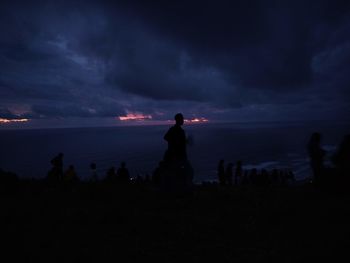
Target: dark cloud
[
  {"x": 7, "y": 114},
  {"x": 73, "y": 110},
  {"x": 102, "y": 58},
  {"x": 253, "y": 42}
]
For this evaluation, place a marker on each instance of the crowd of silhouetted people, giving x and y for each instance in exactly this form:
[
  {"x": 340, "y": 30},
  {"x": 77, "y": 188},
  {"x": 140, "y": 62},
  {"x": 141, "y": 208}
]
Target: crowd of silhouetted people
[
  {"x": 236, "y": 175},
  {"x": 57, "y": 174},
  {"x": 175, "y": 172},
  {"x": 173, "y": 169}
]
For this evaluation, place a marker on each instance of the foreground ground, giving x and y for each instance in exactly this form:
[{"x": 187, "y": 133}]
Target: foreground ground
[{"x": 111, "y": 223}]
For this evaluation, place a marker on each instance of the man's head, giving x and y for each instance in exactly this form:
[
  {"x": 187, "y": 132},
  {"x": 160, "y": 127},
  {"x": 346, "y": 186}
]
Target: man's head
[{"x": 179, "y": 118}]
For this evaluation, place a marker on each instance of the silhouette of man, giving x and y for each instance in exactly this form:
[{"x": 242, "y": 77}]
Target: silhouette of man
[
  {"x": 176, "y": 139},
  {"x": 221, "y": 172},
  {"x": 238, "y": 173},
  {"x": 111, "y": 176},
  {"x": 156, "y": 177},
  {"x": 229, "y": 173},
  {"x": 123, "y": 173},
  {"x": 94, "y": 176},
  {"x": 341, "y": 158},
  {"x": 70, "y": 175},
  {"x": 57, "y": 163},
  {"x": 316, "y": 154}
]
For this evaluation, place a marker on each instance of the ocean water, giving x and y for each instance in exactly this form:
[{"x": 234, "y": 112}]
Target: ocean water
[{"x": 260, "y": 145}]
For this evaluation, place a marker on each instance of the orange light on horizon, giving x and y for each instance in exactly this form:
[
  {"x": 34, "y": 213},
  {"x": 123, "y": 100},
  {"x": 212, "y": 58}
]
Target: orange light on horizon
[
  {"x": 2, "y": 120},
  {"x": 135, "y": 117}
]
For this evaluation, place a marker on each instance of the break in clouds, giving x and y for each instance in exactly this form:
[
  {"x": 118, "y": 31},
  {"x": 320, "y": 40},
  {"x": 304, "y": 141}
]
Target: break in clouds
[{"x": 222, "y": 60}]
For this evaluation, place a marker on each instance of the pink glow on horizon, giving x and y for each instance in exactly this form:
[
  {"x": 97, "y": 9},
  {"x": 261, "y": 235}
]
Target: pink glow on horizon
[
  {"x": 145, "y": 119},
  {"x": 135, "y": 117},
  {"x": 12, "y": 120},
  {"x": 196, "y": 120}
]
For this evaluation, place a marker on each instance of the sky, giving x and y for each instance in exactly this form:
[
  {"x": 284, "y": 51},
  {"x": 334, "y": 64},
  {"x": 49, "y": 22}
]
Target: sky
[{"x": 101, "y": 63}]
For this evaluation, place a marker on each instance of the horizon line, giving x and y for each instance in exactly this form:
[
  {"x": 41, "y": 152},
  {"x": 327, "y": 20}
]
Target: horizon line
[{"x": 164, "y": 123}]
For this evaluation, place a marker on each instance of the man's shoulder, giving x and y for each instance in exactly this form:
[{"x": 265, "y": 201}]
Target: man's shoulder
[
  {"x": 177, "y": 128},
  {"x": 172, "y": 129}
]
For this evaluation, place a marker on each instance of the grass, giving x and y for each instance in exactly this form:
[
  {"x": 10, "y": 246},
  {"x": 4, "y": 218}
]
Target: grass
[{"x": 128, "y": 223}]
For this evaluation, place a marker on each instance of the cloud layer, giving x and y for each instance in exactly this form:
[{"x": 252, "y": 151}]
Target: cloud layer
[{"x": 226, "y": 60}]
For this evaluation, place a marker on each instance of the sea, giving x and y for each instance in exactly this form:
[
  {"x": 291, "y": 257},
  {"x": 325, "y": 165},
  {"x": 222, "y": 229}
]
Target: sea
[{"x": 260, "y": 145}]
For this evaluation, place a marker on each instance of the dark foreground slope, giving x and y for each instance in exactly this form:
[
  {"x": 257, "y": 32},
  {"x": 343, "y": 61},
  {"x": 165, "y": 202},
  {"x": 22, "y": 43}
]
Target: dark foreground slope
[{"x": 110, "y": 223}]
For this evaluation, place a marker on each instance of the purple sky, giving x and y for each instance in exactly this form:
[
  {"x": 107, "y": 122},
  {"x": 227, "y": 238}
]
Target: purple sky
[{"x": 88, "y": 62}]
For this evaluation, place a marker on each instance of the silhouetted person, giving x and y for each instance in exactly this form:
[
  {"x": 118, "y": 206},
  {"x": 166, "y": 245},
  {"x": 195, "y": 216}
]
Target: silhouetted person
[
  {"x": 221, "y": 172},
  {"x": 94, "y": 177},
  {"x": 70, "y": 176},
  {"x": 341, "y": 159},
  {"x": 316, "y": 154},
  {"x": 238, "y": 173},
  {"x": 177, "y": 175},
  {"x": 229, "y": 173},
  {"x": 156, "y": 176},
  {"x": 56, "y": 172},
  {"x": 111, "y": 175},
  {"x": 176, "y": 139},
  {"x": 123, "y": 173}
]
